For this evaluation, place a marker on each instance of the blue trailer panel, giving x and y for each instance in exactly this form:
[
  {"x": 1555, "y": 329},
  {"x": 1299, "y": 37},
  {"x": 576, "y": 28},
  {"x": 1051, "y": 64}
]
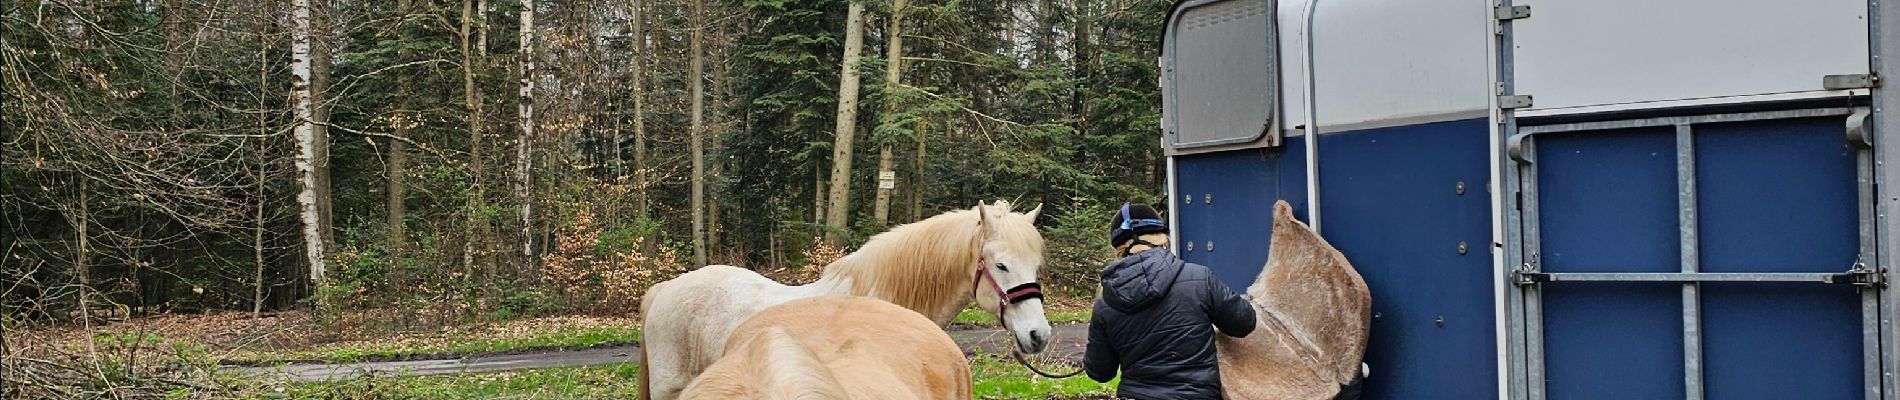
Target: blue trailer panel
[
  {"x": 1393, "y": 205},
  {"x": 1779, "y": 196},
  {"x": 1607, "y": 203},
  {"x": 1226, "y": 201},
  {"x": 1766, "y": 195},
  {"x": 1398, "y": 215}
]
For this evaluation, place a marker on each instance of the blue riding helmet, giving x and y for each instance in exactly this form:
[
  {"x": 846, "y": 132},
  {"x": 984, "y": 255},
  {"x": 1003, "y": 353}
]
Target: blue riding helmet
[{"x": 1133, "y": 221}]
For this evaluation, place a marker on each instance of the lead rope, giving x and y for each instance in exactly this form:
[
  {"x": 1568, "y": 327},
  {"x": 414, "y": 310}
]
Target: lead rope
[{"x": 1015, "y": 351}]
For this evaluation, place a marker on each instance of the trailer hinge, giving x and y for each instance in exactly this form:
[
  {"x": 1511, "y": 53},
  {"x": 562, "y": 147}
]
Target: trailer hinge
[
  {"x": 1514, "y": 102},
  {"x": 1861, "y": 276},
  {"x": 1851, "y": 81},
  {"x": 1507, "y": 13}
]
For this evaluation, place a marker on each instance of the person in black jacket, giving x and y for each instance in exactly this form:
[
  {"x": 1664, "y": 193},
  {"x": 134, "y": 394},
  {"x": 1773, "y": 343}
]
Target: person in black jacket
[{"x": 1156, "y": 316}]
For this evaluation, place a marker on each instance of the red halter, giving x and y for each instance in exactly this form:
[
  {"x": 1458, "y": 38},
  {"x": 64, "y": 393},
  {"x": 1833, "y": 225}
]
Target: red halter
[{"x": 1018, "y": 294}]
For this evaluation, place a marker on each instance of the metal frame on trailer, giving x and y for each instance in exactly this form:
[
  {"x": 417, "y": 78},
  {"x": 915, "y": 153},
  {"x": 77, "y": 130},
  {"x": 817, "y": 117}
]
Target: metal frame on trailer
[
  {"x": 1885, "y": 138},
  {"x": 1516, "y": 377},
  {"x": 1878, "y": 182},
  {"x": 1526, "y": 315}
]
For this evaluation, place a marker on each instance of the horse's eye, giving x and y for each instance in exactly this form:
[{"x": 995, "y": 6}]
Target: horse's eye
[{"x": 1002, "y": 267}]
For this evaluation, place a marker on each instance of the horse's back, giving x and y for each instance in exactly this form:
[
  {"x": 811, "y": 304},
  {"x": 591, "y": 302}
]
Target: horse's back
[
  {"x": 769, "y": 365},
  {"x": 688, "y": 319},
  {"x": 876, "y": 349}
]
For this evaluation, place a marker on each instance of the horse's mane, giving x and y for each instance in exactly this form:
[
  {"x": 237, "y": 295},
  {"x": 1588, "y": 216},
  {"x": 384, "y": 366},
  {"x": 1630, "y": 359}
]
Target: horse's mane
[{"x": 930, "y": 253}]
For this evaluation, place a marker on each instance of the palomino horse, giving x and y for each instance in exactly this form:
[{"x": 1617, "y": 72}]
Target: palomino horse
[
  {"x": 934, "y": 267},
  {"x": 836, "y": 347},
  {"x": 1314, "y": 316}
]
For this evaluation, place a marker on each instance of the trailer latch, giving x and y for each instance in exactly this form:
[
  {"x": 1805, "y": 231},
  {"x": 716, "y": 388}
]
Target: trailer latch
[
  {"x": 1861, "y": 276},
  {"x": 1526, "y": 275}
]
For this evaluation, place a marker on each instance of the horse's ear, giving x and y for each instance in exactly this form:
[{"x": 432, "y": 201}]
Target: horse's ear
[
  {"x": 983, "y": 219},
  {"x": 1032, "y": 213}
]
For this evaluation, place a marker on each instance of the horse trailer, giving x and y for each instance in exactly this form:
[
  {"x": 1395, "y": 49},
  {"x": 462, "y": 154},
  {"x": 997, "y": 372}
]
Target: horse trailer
[{"x": 1563, "y": 199}]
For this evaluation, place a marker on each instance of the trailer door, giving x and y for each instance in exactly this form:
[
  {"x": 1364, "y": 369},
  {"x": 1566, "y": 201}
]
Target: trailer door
[{"x": 1713, "y": 255}]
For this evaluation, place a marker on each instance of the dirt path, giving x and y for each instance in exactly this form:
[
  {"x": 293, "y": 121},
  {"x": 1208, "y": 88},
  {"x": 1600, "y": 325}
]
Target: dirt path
[{"x": 1068, "y": 344}]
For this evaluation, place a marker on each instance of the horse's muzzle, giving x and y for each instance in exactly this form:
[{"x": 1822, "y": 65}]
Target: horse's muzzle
[{"x": 1037, "y": 342}]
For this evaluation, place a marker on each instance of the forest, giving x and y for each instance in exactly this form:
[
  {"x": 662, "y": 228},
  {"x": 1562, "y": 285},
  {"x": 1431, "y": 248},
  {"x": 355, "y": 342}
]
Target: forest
[
  {"x": 190, "y": 186},
  {"x": 455, "y": 161}
]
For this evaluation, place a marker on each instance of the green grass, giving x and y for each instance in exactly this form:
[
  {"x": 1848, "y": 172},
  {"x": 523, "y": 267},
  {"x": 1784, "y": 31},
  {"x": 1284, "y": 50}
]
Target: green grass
[
  {"x": 995, "y": 378},
  {"x": 568, "y": 338},
  {"x": 974, "y": 316},
  {"x": 1001, "y": 378},
  {"x": 590, "y": 382}
]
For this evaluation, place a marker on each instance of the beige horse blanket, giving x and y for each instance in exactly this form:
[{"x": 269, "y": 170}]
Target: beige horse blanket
[{"x": 1314, "y": 316}]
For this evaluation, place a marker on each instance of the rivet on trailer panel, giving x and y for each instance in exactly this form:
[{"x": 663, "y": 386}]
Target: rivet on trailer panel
[
  {"x": 1190, "y": 246},
  {"x": 1440, "y": 321},
  {"x": 1461, "y": 188},
  {"x": 1189, "y": 198},
  {"x": 1461, "y": 247},
  {"x": 1208, "y": 198},
  {"x": 1210, "y": 246}
]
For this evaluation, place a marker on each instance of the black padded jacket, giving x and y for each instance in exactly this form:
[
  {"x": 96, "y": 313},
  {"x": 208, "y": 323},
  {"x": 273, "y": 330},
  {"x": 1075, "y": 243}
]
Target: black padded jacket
[{"x": 1155, "y": 322}]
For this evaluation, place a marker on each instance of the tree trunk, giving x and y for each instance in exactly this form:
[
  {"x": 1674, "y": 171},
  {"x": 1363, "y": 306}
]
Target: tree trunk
[
  {"x": 614, "y": 112},
  {"x": 82, "y": 269},
  {"x": 524, "y": 162},
  {"x": 472, "y": 101},
  {"x": 263, "y": 170},
  {"x": 648, "y": 242},
  {"x": 696, "y": 74},
  {"x": 893, "y": 76},
  {"x": 817, "y": 198},
  {"x": 917, "y": 183},
  {"x": 173, "y": 17},
  {"x": 838, "y": 212},
  {"x": 302, "y": 106},
  {"x": 881, "y": 209},
  {"x": 257, "y": 232},
  {"x": 397, "y": 160},
  {"x": 481, "y": 29},
  {"x": 320, "y": 56},
  {"x": 716, "y": 168}
]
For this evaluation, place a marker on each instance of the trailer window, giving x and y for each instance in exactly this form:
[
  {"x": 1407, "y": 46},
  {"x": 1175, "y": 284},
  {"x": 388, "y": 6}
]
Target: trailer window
[{"x": 1219, "y": 77}]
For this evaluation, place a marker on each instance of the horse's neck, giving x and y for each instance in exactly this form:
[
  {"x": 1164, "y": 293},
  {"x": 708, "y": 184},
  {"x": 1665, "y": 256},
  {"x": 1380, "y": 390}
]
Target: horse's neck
[
  {"x": 940, "y": 308},
  {"x": 826, "y": 285}
]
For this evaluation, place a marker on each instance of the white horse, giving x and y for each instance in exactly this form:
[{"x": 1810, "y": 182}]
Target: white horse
[
  {"x": 836, "y": 347},
  {"x": 934, "y": 267}
]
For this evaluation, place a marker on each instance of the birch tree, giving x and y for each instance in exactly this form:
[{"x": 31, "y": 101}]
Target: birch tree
[
  {"x": 524, "y": 162},
  {"x": 838, "y": 209},
  {"x": 304, "y": 109}
]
